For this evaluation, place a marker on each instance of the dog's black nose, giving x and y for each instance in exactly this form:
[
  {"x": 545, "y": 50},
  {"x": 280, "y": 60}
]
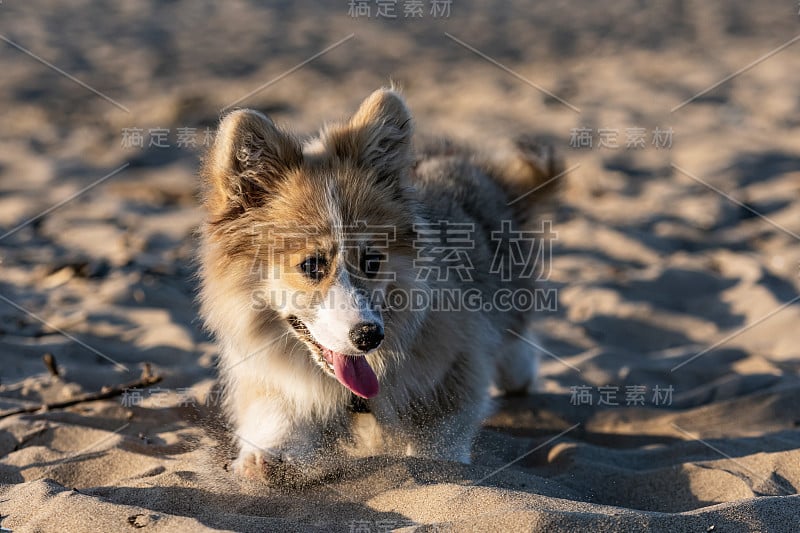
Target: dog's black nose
[{"x": 366, "y": 336}]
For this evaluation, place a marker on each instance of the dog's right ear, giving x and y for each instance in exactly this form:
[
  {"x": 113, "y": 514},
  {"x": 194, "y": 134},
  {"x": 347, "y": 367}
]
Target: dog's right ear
[{"x": 250, "y": 155}]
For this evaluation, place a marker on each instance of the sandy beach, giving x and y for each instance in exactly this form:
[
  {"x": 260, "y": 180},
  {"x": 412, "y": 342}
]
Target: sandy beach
[{"x": 669, "y": 391}]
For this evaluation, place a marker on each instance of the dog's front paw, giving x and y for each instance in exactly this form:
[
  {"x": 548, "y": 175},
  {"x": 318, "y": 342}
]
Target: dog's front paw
[
  {"x": 274, "y": 469},
  {"x": 256, "y": 465}
]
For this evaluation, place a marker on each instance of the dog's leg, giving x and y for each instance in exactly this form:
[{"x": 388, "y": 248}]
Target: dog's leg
[
  {"x": 261, "y": 428},
  {"x": 443, "y": 427},
  {"x": 517, "y": 366},
  {"x": 277, "y": 444},
  {"x": 448, "y": 439}
]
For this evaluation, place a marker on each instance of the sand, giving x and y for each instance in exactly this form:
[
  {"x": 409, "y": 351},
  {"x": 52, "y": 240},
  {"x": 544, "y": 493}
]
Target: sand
[{"x": 675, "y": 263}]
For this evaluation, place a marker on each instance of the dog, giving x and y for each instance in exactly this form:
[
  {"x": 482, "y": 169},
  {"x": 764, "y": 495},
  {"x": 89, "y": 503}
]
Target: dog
[{"x": 324, "y": 276}]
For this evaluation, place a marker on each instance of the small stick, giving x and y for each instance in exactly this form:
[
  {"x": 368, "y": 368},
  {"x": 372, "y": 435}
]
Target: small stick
[
  {"x": 147, "y": 372},
  {"x": 50, "y": 362},
  {"x": 105, "y": 393}
]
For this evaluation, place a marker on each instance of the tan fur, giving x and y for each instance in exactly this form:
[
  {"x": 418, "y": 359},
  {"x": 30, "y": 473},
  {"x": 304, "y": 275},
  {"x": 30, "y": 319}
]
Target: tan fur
[{"x": 270, "y": 203}]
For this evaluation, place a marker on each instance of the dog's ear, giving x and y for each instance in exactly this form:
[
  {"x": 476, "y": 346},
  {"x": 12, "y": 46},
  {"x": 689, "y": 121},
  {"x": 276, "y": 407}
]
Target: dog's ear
[
  {"x": 377, "y": 137},
  {"x": 250, "y": 155}
]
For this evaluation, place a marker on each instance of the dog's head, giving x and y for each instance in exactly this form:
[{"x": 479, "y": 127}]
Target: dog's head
[{"x": 318, "y": 231}]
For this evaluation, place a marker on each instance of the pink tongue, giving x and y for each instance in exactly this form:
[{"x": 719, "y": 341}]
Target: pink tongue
[{"x": 354, "y": 373}]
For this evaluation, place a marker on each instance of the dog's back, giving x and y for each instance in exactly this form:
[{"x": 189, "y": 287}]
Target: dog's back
[{"x": 498, "y": 201}]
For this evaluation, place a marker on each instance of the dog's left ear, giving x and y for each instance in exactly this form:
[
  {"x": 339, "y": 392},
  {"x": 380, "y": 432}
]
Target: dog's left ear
[{"x": 377, "y": 137}]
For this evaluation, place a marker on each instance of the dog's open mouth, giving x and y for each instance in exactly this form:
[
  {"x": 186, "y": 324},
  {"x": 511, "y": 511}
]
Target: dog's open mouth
[{"x": 352, "y": 371}]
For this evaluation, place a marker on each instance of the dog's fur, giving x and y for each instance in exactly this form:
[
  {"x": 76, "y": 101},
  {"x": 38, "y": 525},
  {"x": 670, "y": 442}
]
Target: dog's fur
[{"x": 272, "y": 202}]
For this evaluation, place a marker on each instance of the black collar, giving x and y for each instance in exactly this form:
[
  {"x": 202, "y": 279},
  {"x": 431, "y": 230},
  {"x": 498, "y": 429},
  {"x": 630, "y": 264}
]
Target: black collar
[{"x": 358, "y": 404}]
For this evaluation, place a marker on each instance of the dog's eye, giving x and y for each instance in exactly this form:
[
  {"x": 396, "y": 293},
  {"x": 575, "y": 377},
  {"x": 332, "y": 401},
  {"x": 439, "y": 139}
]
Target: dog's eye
[
  {"x": 314, "y": 267},
  {"x": 371, "y": 263}
]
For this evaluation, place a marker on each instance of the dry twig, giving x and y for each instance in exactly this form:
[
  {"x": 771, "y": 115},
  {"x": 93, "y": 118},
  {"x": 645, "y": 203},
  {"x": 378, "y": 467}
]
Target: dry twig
[{"x": 105, "y": 393}]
